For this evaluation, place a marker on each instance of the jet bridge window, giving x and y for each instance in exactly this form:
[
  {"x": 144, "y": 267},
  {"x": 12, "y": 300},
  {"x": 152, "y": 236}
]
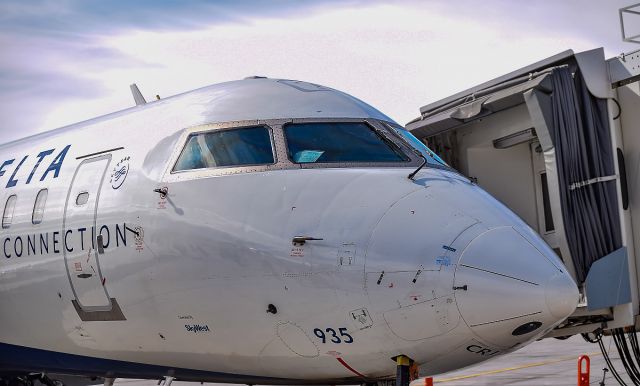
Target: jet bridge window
[
  {"x": 224, "y": 148},
  {"x": 339, "y": 142},
  {"x": 7, "y": 216}
]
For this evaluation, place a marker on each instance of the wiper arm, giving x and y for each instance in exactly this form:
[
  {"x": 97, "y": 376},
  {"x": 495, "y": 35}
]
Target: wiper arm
[
  {"x": 424, "y": 162},
  {"x": 407, "y": 143}
]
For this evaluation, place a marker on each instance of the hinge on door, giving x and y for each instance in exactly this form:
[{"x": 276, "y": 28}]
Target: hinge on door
[{"x": 100, "y": 244}]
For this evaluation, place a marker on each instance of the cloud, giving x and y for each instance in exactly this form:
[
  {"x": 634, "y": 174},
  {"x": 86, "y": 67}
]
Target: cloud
[
  {"x": 82, "y": 16},
  {"x": 56, "y": 55},
  {"x": 396, "y": 57},
  {"x": 39, "y": 72},
  {"x": 593, "y": 20},
  {"x": 68, "y": 60}
]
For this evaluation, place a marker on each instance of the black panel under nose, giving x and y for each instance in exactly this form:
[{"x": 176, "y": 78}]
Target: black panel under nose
[{"x": 526, "y": 328}]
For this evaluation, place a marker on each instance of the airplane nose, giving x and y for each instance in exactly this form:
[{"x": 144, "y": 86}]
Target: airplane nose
[
  {"x": 561, "y": 295},
  {"x": 509, "y": 290}
]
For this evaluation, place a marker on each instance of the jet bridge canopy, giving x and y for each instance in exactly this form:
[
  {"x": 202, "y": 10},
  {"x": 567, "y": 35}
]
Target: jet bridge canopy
[{"x": 547, "y": 140}]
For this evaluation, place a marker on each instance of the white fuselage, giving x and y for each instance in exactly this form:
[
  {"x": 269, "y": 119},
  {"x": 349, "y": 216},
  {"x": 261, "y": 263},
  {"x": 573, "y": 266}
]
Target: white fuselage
[{"x": 206, "y": 282}]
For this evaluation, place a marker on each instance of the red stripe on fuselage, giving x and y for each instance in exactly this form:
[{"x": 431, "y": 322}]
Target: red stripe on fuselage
[{"x": 349, "y": 367}]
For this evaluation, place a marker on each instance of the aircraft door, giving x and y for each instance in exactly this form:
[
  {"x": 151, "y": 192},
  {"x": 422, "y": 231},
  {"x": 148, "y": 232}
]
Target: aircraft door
[{"x": 79, "y": 235}]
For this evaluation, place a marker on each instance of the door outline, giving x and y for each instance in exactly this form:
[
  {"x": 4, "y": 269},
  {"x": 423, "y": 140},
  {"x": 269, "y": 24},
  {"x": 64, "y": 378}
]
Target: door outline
[{"x": 76, "y": 301}]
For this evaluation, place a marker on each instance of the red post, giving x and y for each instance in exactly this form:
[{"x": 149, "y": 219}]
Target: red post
[
  {"x": 584, "y": 368},
  {"x": 428, "y": 381}
]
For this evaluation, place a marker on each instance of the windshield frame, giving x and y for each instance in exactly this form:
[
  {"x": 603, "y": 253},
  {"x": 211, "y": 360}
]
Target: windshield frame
[
  {"x": 234, "y": 128},
  {"x": 433, "y": 159},
  {"x": 383, "y": 131},
  {"x": 280, "y": 149},
  {"x": 393, "y": 146}
]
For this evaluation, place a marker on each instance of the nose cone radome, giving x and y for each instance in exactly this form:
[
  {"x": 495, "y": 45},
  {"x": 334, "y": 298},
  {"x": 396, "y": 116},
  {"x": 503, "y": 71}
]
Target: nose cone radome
[
  {"x": 514, "y": 290},
  {"x": 561, "y": 295}
]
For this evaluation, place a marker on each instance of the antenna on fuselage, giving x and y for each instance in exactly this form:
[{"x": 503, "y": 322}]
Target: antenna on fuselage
[{"x": 137, "y": 95}]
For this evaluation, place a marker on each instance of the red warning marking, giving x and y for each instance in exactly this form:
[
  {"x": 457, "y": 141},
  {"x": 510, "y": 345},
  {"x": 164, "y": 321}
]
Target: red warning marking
[{"x": 349, "y": 367}]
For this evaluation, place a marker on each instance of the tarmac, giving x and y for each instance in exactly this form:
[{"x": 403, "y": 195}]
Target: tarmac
[{"x": 547, "y": 362}]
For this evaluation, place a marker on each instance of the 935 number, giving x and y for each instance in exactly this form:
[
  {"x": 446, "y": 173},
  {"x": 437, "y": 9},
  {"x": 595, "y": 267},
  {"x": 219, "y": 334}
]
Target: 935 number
[{"x": 332, "y": 336}]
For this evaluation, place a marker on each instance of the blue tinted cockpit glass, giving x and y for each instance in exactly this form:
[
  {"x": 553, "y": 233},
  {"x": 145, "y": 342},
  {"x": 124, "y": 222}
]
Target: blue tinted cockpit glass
[
  {"x": 224, "y": 148},
  {"x": 431, "y": 157},
  {"x": 338, "y": 142}
]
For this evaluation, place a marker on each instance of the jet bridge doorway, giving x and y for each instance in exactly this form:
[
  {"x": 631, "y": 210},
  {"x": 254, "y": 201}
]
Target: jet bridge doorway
[{"x": 501, "y": 154}]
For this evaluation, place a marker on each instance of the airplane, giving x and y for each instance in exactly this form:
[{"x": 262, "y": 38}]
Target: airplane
[{"x": 259, "y": 231}]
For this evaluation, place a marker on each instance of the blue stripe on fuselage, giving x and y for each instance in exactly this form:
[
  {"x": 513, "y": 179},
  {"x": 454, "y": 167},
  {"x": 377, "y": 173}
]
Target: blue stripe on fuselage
[{"x": 25, "y": 359}]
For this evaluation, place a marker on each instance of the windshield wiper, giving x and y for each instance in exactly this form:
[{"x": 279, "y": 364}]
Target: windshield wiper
[
  {"x": 424, "y": 162},
  {"x": 407, "y": 143}
]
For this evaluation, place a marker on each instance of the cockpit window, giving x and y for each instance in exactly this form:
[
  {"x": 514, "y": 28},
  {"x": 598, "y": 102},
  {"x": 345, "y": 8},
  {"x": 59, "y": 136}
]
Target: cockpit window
[
  {"x": 432, "y": 158},
  {"x": 339, "y": 142},
  {"x": 223, "y": 148}
]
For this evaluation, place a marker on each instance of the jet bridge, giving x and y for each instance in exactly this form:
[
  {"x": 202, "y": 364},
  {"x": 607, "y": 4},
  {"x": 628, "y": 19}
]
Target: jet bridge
[{"x": 559, "y": 143}]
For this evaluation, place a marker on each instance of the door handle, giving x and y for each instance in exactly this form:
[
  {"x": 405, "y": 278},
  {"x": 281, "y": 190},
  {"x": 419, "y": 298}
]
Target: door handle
[
  {"x": 162, "y": 191},
  {"x": 301, "y": 240}
]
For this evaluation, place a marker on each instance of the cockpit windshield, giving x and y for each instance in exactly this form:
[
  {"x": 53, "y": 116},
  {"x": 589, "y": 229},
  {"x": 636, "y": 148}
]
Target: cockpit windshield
[
  {"x": 326, "y": 142},
  {"x": 227, "y": 148},
  {"x": 322, "y": 143},
  {"x": 432, "y": 158}
]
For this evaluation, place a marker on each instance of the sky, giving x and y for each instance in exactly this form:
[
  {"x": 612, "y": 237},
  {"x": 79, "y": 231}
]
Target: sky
[{"x": 64, "y": 61}]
